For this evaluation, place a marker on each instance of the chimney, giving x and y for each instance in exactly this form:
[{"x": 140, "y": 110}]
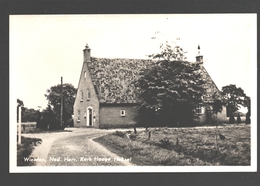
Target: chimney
[
  {"x": 199, "y": 57},
  {"x": 86, "y": 53}
]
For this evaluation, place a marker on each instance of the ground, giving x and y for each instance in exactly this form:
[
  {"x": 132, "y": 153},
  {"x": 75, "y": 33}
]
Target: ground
[
  {"x": 166, "y": 146},
  {"x": 183, "y": 146},
  {"x": 73, "y": 147}
]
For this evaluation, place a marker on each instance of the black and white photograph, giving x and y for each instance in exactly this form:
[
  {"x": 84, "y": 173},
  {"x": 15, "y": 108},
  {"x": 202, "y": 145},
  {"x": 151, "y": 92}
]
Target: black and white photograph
[{"x": 133, "y": 93}]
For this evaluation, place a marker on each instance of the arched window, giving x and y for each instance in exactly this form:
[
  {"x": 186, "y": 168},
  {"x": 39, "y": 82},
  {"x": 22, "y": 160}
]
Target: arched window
[
  {"x": 88, "y": 95},
  {"x": 85, "y": 75},
  {"x": 82, "y": 96},
  {"x": 78, "y": 120}
]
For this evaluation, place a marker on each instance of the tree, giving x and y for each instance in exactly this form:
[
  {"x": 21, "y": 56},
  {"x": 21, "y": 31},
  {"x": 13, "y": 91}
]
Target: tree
[
  {"x": 29, "y": 115},
  {"x": 238, "y": 118},
  {"x": 248, "y": 114},
  {"x": 20, "y": 103},
  {"x": 172, "y": 89},
  {"x": 233, "y": 98},
  {"x": 54, "y": 97},
  {"x": 47, "y": 120},
  {"x": 217, "y": 106},
  {"x": 170, "y": 53}
]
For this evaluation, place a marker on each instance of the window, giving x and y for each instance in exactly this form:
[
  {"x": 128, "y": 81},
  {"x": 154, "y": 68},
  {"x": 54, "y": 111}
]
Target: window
[
  {"x": 82, "y": 96},
  {"x": 199, "y": 109},
  {"x": 122, "y": 113},
  {"x": 88, "y": 95},
  {"x": 78, "y": 116},
  {"x": 85, "y": 75}
]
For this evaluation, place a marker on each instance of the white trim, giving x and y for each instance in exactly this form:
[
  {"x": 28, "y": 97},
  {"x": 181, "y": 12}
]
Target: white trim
[
  {"x": 202, "y": 109},
  {"x": 122, "y": 113}
]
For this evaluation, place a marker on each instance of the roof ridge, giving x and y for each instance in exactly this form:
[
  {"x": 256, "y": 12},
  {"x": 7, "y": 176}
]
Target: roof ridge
[{"x": 122, "y": 58}]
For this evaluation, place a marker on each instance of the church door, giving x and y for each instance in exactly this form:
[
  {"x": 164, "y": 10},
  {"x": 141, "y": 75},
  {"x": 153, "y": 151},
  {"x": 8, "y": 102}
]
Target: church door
[{"x": 89, "y": 117}]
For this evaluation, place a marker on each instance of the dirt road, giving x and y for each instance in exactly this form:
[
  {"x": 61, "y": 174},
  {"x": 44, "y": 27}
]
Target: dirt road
[{"x": 74, "y": 147}]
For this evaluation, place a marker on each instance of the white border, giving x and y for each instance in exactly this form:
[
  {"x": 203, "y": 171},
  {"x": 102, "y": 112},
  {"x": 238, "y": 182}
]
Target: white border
[{"x": 119, "y": 169}]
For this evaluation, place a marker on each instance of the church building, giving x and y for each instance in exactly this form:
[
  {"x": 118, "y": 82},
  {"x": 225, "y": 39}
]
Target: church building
[{"x": 106, "y": 96}]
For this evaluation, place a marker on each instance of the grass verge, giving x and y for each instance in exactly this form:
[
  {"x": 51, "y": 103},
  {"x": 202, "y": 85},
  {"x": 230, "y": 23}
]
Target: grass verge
[
  {"x": 182, "y": 146},
  {"x": 25, "y": 149}
]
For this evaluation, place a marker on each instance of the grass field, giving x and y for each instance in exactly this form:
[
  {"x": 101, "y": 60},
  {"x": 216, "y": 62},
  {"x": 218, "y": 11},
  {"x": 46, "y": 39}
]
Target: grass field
[
  {"x": 183, "y": 146},
  {"x": 25, "y": 149}
]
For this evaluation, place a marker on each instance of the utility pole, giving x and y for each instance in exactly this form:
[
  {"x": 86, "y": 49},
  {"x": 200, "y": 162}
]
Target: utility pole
[{"x": 61, "y": 100}]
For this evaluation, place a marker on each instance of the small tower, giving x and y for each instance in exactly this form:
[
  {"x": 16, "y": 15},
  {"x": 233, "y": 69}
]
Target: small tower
[
  {"x": 199, "y": 57},
  {"x": 86, "y": 53}
]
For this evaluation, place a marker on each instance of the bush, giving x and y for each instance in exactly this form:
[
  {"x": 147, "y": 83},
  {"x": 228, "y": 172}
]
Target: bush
[
  {"x": 133, "y": 136},
  {"x": 164, "y": 143},
  {"x": 113, "y": 126},
  {"x": 231, "y": 119},
  {"x": 248, "y": 121},
  {"x": 238, "y": 119},
  {"x": 120, "y": 134},
  {"x": 25, "y": 149}
]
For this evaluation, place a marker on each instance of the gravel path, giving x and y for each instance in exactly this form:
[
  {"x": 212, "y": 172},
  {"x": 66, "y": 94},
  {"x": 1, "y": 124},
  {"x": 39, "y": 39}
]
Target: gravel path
[{"x": 74, "y": 147}]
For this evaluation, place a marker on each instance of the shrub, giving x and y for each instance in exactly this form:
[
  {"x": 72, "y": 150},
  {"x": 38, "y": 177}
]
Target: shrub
[
  {"x": 120, "y": 134},
  {"x": 111, "y": 126},
  {"x": 133, "y": 136},
  {"x": 238, "y": 119},
  {"x": 248, "y": 121},
  {"x": 25, "y": 149},
  {"x": 164, "y": 143},
  {"x": 231, "y": 119}
]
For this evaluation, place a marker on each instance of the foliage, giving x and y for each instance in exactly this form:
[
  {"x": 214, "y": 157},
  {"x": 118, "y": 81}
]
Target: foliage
[
  {"x": 248, "y": 120},
  {"x": 164, "y": 143},
  {"x": 231, "y": 119},
  {"x": 29, "y": 115},
  {"x": 248, "y": 114},
  {"x": 238, "y": 118},
  {"x": 171, "y": 90},
  {"x": 119, "y": 133},
  {"x": 20, "y": 103},
  {"x": 54, "y": 97},
  {"x": 217, "y": 106},
  {"x": 46, "y": 119},
  {"x": 233, "y": 98},
  {"x": 25, "y": 149},
  {"x": 111, "y": 126},
  {"x": 170, "y": 53}
]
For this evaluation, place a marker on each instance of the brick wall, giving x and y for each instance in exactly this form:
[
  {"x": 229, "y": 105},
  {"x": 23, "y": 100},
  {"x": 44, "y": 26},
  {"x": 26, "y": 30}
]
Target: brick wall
[
  {"x": 221, "y": 117},
  {"x": 111, "y": 115}
]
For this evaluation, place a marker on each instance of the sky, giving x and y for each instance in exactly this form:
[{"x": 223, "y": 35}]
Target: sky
[{"x": 44, "y": 48}]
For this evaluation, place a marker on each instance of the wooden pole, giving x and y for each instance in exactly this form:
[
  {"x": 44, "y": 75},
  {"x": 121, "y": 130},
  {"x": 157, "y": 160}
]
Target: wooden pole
[
  {"x": 61, "y": 100},
  {"x": 19, "y": 126}
]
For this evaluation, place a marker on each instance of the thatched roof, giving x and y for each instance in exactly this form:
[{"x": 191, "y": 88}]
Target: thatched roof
[{"x": 113, "y": 79}]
